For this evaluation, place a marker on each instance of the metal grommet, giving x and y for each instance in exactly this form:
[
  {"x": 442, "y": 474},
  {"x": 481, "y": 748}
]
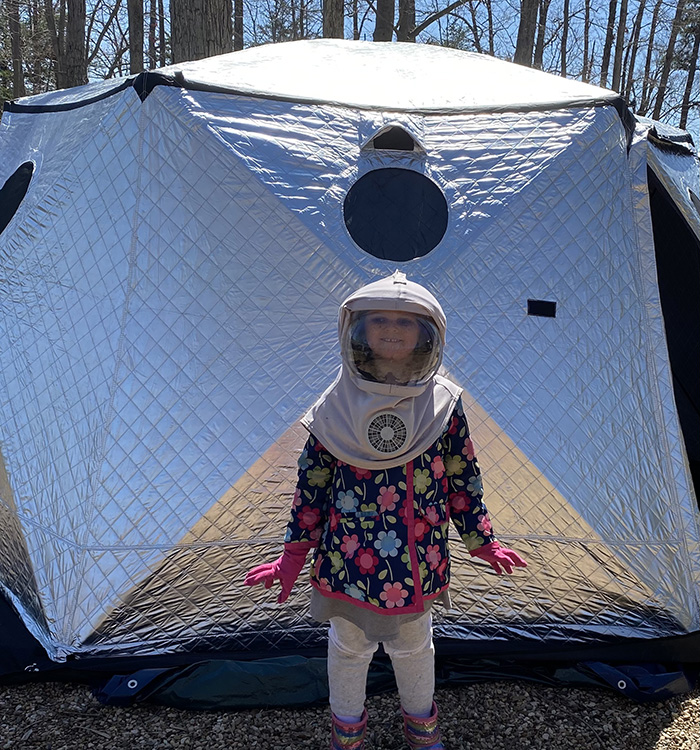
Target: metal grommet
[
  {"x": 622, "y": 684},
  {"x": 132, "y": 684}
]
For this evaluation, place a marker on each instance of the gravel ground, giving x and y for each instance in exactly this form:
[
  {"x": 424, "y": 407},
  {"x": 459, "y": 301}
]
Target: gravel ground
[{"x": 490, "y": 716}]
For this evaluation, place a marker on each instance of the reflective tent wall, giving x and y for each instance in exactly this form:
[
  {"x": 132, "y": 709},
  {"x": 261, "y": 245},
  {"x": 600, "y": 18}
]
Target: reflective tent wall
[{"x": 170, "y": 286}]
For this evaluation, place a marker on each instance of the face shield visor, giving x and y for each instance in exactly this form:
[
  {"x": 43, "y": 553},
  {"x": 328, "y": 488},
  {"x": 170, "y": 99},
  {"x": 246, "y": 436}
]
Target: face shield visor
[{"x": 392, "y": 347}]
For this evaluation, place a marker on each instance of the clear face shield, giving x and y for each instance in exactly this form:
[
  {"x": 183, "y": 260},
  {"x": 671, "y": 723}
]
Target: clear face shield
[{"x": 392, "y": 347}]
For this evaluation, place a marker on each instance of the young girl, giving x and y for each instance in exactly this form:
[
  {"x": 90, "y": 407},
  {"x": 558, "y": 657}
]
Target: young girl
[{"x": 388, "y": 462}]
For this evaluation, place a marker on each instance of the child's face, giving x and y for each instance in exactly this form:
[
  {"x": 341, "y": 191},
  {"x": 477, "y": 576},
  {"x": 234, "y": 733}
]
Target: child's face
[{"x": 392, "y": 335}]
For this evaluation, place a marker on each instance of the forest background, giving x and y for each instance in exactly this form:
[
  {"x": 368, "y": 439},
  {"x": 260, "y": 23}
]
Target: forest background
[{"x": 645, "y": 49}]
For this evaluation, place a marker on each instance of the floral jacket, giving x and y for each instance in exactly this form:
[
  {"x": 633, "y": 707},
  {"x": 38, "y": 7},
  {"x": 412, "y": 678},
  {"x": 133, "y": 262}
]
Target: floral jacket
[{"x": 382, "y": 534}]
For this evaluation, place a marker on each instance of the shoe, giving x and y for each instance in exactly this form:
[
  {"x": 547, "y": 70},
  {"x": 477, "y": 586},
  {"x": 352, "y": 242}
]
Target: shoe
[
  {"x": 346, "y": 736},
  {"x": 422, "y": 734}
]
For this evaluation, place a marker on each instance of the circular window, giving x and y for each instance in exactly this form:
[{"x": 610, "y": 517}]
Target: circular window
[
  {"x": 395, "y": 214},
  {"x": 13, "y": 191}
]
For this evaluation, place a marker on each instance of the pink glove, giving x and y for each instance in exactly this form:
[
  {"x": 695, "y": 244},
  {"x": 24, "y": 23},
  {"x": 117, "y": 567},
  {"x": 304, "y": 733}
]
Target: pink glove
[
  {"x": 499, "y": 558},
  {"x": 285, "y": 569}
]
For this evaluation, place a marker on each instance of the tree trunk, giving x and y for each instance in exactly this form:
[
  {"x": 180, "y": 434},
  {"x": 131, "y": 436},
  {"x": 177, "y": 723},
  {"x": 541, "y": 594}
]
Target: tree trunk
[
  {"x": 76, "y": 58},
  {"x": 692, "y": 67},
  {"x": 564, "y": 38},
  {"x": 668, "y": 59},
  {"x": 607, "y": 47},
  {"x": 646, "y": 81},
  {"x": 161, "y": 34},
  {"x": 619, "y": 46},
  {"x": 16, "y": 41},
  {"x": 407, "y": 21},
  {"x": 355, "y": 21},
  {"x": 135, "y": 14},
  {"x": 526, "y": 32},
  {"x": 541, "y": 31},
  {"x": 587, "y": 61},
  {"x": 152, "y": 34},
  {"x": 333, "y": 18},
  {"x": 53, "y": 37},
  {"x": 473, "y": 25},
  {"x": 200, "y": 28},
  {"x": 237, "y": 25},
  {"x": 631, "y": 61},
  {"x": 384, "y": 27},
  {"x": 489, "y": 17}
]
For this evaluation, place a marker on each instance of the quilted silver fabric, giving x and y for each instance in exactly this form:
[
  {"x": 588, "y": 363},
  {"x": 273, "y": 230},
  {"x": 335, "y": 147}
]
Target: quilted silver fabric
[{"x": 168, "y": 303}]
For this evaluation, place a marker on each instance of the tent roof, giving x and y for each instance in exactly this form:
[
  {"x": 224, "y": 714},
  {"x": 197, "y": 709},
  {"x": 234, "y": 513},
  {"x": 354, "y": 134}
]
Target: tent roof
[
  {"x": 369, "y": 75},
  {"x": 387, "y": 76}
]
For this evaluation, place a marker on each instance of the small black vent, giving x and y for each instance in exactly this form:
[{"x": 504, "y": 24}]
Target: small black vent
[
  {"x": 542, "y": 308},
  {"x": 394, "y": 139}
]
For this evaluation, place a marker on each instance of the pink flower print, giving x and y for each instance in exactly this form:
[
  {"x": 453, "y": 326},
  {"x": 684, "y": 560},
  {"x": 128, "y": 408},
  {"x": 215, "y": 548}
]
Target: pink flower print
[
  {"x": 438, "y": 467},
  {"x": 366, "y": 561},
  {"x": 308, "y": 517},
  {"x": 459, "y": 501},
  {"x": 361, "y": 473},
  {"x": 324, "y": 585},
  {"x": 333, "y": 518},
  {"x": 433, "y": 556},
  {"x": 468, "y": 450},
  {"x": 441, "y": 568},
  {"x": 432, "y": 515},
  {"x": 317, "y": 566},
  {"x": 388, "y": 497},
  {"x": 350, "y": 545},
  {"x": 318, "y": 447},
  {"x": 315, "y": 535},
  {"x": 420, "y": 529},
  {"x": 445, "y": 485},
  {"x": 394, "y": 595},
  {"x": 453, "y": 426},
  {"x": 341, "y": 463},
  {"x": 484, "y": 524},
  {"x": 297, "y": 498}
]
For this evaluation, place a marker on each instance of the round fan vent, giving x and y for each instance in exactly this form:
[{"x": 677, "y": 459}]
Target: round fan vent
[{"x": 386, "y": 432}]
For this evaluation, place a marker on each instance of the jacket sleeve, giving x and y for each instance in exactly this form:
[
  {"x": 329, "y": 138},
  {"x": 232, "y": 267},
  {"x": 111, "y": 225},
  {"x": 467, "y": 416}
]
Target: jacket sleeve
[
  {"x": 465, "y": 490},
  {"x": 312, "y": 495}
]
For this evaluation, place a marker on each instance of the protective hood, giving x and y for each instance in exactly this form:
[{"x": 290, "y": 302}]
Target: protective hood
[{"x": 389, "y": 403}]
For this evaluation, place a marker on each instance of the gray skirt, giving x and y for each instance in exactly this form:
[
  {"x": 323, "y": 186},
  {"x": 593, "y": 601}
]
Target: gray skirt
[{"x": 376, "y": 626}]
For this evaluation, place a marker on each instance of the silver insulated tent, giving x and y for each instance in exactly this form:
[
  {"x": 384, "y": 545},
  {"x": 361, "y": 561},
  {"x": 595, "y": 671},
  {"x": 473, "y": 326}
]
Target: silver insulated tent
[{"x": 174, "y": 248}]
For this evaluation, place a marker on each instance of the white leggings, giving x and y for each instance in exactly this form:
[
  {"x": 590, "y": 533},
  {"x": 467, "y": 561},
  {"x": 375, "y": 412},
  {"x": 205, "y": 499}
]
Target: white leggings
[{"x": 412, "y": 656}]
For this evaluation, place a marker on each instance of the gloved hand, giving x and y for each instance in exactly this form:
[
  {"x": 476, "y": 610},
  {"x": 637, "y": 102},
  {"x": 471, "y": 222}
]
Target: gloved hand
[
  {"x": 285, "y": 569},
  {"x": 499, "y": 558}
]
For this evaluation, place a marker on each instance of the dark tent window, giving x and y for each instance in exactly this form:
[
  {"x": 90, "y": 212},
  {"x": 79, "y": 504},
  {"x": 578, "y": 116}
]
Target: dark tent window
[
  {"x": 13, "y": 191},
  {"x": 395, "y": 214},
  {"x": 694, "y": 200},
  {"x": 678, "y": 271},
  {"x": 394, "y": 139}
]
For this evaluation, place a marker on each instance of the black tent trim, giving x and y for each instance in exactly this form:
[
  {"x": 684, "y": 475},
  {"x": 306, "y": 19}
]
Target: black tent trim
[
  {"x": 183, "y": 679},
  {"x": 17, "y": 106},
  {"x": 671, "y": 141},
  {"x": 145, "y": 82}
]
